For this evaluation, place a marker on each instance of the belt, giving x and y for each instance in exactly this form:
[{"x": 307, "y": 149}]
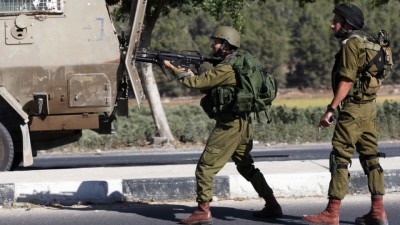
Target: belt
[{"x": 352, "y": 99}]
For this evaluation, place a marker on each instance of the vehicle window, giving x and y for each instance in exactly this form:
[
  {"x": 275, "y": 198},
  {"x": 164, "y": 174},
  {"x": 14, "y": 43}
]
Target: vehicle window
[{"x": 31, "y": 6}]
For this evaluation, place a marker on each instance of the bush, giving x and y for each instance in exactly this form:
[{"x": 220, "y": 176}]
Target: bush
[{"x": 189, "y": 124}]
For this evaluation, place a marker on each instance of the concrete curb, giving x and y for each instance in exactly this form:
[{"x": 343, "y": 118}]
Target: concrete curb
[{"x": 172, "y": 189}]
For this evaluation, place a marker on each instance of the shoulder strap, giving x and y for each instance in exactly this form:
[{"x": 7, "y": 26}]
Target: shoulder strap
[
  {"x": 370, "y": 45},
  {"x": 233, "y": 58},
  {"x": 376, "y": 60}
]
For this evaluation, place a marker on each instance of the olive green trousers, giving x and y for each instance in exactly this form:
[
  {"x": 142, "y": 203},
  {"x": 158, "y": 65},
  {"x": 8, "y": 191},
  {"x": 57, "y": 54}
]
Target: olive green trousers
[
  {"x": 356, "y": 130},
  {"x": 228, "y": 140}
]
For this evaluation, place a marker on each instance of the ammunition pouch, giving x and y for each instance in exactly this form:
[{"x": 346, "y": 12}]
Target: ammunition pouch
[
  {"x": 218, "y": 102},
  {"x": 244, "y": 102},
  {"x": 369, "y": 166}
]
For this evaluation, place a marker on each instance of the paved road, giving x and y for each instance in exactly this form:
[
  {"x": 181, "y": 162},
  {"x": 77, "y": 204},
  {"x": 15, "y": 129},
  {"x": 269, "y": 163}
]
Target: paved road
[
  {"x": 172, "y": 156},
  {"x": 224, "y": 212},
  {"x": 107, "y": 184}
]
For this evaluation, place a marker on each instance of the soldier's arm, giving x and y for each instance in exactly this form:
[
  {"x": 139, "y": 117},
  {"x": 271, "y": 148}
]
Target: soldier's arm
[
  {"x": 348, "y": 73},
  {"x": 221, "y": 74}
]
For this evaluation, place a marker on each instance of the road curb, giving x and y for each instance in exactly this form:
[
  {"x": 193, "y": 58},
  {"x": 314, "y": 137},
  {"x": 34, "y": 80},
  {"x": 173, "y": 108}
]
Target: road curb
[
  {"x": 172, "y": 189},
  {"x": 6, "y": 194}
]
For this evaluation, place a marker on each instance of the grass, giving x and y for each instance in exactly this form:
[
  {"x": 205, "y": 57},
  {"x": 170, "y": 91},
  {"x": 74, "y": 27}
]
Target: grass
[
  {"x": 294, "y": 114},
  {"x": 292, "y": 99},
  {"x": 322, "y": 101}
]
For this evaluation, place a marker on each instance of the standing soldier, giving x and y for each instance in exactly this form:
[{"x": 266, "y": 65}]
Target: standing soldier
[
  {"x": 355, "y": 126},
  {"x": 231, "y": 137}
]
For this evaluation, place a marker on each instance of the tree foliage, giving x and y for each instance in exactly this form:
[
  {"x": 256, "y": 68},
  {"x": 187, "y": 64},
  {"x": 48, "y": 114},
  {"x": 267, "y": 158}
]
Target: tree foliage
[
  {"x": 214, "y": 8},
  {"x": 293, "y": 41},
  {"x": 292, "y": 38}
]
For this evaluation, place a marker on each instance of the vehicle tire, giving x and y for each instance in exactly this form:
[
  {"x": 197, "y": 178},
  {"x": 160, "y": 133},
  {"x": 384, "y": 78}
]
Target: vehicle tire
[
  {"x": 6, "y": 149},
  {"x": 18, "y": 157}
]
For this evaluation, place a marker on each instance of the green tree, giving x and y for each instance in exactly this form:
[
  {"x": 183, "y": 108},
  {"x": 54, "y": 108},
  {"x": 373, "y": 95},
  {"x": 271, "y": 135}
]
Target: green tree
[
  {"x": 294, "y": 43},
  {"x": 378, "y": 14},
  {"x": 311, "y": 58},
  {"x": 265, "y": 34},
  {"x": 371, "y": 2}
]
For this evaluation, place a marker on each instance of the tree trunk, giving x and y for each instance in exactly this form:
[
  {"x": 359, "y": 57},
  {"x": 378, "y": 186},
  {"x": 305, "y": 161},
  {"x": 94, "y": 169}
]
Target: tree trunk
[
  {"x": 146, "y": 69},
  {"x": 153, "y": 95}
]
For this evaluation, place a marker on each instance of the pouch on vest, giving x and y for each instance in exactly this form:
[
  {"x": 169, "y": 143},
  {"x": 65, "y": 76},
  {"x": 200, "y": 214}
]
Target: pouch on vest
[{"x": 218, "y": 102}]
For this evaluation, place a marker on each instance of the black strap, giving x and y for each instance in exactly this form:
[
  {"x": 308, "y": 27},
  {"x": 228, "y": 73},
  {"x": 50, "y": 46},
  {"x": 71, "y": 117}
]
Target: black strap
[
  {"x": 341, "y": 166},
  {"x": 379, "y": 155},
  {"x": 375, "y": 166},
  {"x": 377, "y": 60}
]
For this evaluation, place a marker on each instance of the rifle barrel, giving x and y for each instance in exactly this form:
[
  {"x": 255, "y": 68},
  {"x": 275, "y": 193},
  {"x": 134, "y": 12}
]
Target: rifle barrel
[
  {"x": 145, "y": 59},
  {"x": 213, "y": 61}
]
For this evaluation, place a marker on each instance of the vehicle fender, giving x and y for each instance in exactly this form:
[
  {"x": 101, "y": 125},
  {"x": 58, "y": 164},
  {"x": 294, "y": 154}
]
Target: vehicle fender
[{"x": 26, "y": 140}]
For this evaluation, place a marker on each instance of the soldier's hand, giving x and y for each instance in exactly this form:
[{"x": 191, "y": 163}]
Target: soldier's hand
[
  {"x": 171, "y": 66},
  {"x": 326, "y": 120},
  {"x": 168, "y": 65}
]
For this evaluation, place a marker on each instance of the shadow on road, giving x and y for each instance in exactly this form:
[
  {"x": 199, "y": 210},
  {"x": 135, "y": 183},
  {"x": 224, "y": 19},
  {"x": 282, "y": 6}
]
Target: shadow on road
[{"x": 173, "y": 213}]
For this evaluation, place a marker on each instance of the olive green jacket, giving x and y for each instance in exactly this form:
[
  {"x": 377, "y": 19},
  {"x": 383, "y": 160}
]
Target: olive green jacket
[
  {"x": 220, "y": 75},
  {"x": 349, "y": 62}
]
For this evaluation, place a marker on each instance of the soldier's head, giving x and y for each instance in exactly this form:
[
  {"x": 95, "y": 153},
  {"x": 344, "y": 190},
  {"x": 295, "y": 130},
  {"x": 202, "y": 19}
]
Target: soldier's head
[
  {"x": 225, "y": 40},
  {"x": 347, "y": 17}
]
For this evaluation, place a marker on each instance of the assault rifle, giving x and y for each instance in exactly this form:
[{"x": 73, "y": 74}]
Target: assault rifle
[{"x": 186, "y": 59}]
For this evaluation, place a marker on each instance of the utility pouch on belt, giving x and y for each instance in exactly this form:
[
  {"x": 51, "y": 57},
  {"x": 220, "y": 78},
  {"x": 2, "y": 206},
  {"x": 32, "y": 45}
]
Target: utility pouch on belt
[
  {"x": 225, "y": 98},
  {"x": 333, "y": 165},
  {"x": 218, "y": 101},
  {"x": 244, "y": 102},
  {"x": 332, "y": 162}
]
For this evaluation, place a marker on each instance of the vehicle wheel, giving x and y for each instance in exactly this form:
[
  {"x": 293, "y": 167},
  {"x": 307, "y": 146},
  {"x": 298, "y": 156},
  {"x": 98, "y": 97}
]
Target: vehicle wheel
[
  {"x": 18, "y": 157},
  {"x": 6, "y": 149}
]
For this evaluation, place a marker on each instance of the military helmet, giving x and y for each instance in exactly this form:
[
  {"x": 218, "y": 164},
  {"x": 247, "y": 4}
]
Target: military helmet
[
  {"x": 351, "y": 13},
  {"x": 227, "y": 33}
]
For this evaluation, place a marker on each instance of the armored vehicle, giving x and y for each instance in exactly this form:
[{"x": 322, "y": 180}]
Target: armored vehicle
[{"x": 62, "y": 70}]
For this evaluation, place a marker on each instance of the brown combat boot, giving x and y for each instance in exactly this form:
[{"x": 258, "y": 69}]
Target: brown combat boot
[
  {"x": 330, "y": 216},
  {"x": 272, "y": 209},
  {"x": 377, "y": 214},
  {"x": 201, "y": 216}
]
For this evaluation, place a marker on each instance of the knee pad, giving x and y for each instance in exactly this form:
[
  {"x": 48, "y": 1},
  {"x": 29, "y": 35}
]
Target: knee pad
[
  {"x": 368, "y": 162},
  {"x": 247, "y": 171},
  {"x": 334, "y": 164}
]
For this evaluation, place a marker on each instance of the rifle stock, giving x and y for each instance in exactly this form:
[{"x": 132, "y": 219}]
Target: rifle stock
[{"x": 186, "y": 59}]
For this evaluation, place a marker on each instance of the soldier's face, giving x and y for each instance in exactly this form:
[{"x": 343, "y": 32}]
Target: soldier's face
[
  {"x": 216, "y": 44},
  {"x": 340, "y": 27},
  {"x": 337, "y": 23}
]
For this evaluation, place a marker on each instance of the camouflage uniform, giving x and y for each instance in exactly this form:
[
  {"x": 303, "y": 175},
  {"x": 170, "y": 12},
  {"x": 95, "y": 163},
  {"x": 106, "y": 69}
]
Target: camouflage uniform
[
  {"x": 231, "y": 137},
  {"x": 355, "y": 127}
]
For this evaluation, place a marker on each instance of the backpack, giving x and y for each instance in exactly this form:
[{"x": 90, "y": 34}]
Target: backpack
[
  {"x": 378, "y": 65},
  {"x": 255, "y": 89},
  {"x": 254, "y": 92}
]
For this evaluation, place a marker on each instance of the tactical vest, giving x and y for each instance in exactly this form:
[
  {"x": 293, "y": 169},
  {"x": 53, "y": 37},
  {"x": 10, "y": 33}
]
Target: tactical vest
[
  {"x": 377, "y": 67},
  {"x": 254, "y": 92}
]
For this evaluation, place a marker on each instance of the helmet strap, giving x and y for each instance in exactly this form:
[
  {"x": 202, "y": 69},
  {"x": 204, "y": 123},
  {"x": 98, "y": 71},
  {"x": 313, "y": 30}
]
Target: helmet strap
[
  {"x": 341, "y": 33},
  {"x": 221, "y": 50}
]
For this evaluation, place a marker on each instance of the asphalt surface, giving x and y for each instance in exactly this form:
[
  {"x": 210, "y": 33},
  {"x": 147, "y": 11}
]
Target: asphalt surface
[
  {"x": 224, "y": 212},
  {"x": 171, "y": 156},
  {"x": 293, "y": 178}
]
